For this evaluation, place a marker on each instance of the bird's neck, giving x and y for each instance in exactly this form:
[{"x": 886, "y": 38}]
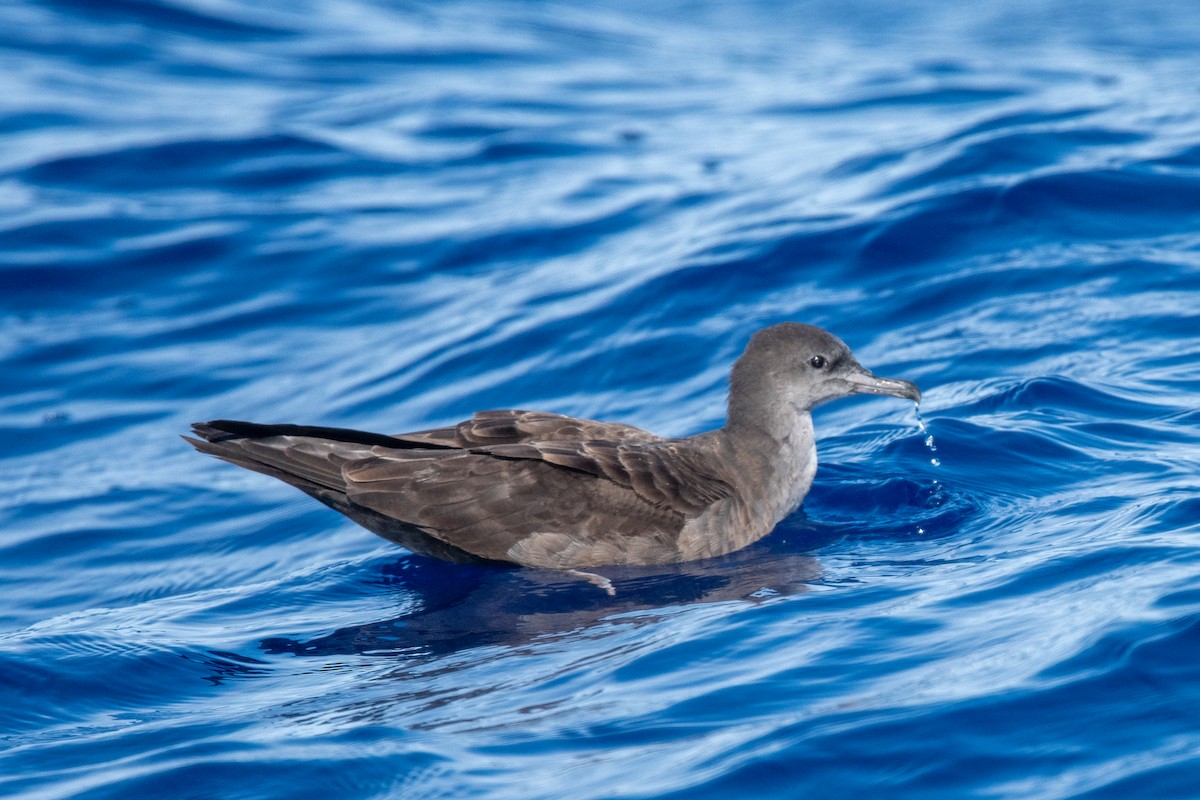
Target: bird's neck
[
  {"x": 766, "y": 421},
  {"x": 775, "y": 447}
]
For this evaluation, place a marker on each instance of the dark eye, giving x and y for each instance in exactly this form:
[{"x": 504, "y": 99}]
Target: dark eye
[{"x": 817, "y": 362}]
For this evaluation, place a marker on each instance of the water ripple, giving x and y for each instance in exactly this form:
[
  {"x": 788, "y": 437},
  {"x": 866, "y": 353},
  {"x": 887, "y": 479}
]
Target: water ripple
[{"x": 381, "y": 216}]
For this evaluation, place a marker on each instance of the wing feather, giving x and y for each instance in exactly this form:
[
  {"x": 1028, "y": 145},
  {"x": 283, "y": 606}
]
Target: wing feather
[
  {"x": 497, "y": 507},
  {"x": 488, "y": 428},
  {"x": 665, "y": 473}
]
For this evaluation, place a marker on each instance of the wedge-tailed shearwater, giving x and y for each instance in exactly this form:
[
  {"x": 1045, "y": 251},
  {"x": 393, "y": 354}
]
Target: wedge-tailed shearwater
[{"x": 550, "y": 491}]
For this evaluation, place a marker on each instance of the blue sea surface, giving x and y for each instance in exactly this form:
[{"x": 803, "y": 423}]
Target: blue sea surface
[{"x": 389, "y": 215}]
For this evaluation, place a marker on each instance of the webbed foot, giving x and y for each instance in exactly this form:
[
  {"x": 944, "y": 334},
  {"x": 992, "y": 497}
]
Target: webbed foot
[{"x": 594, "y": 579}]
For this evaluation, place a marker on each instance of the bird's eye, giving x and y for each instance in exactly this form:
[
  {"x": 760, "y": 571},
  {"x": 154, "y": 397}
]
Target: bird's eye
[{"x": 817, "y": 362}]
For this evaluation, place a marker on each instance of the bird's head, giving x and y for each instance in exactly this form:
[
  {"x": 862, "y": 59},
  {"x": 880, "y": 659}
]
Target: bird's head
[{"x": 802, "y": 366}]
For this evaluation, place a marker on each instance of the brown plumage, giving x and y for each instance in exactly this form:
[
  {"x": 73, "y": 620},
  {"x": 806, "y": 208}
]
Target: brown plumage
[{"x": 550, "y": 491}]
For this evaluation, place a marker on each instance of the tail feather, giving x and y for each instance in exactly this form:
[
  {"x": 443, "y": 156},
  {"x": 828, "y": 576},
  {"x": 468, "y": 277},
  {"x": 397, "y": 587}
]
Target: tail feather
[
  {"x": 227, "y": 429},
  {"x": 311, "y": 458},
  {"x": 301, "y": 461}
]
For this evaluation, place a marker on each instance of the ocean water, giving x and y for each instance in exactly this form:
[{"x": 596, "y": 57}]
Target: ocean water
[{"x": 389, "y": 215}]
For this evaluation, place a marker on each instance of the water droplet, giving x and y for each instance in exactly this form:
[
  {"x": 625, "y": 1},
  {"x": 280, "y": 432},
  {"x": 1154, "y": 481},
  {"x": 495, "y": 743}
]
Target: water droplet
[{"x": 935, "y": 489}]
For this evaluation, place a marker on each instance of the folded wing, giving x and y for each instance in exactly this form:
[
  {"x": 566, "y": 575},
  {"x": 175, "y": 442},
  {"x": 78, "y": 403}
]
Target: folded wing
[{"x": 528, "y": 487}]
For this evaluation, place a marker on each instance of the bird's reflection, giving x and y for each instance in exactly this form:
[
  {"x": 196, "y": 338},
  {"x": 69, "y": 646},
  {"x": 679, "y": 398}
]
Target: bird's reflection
[{"x": 455, "y": 607}]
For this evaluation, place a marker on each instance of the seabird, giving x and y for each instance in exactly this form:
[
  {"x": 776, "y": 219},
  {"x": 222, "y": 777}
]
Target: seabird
[{"x": 550, "y": 491}]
